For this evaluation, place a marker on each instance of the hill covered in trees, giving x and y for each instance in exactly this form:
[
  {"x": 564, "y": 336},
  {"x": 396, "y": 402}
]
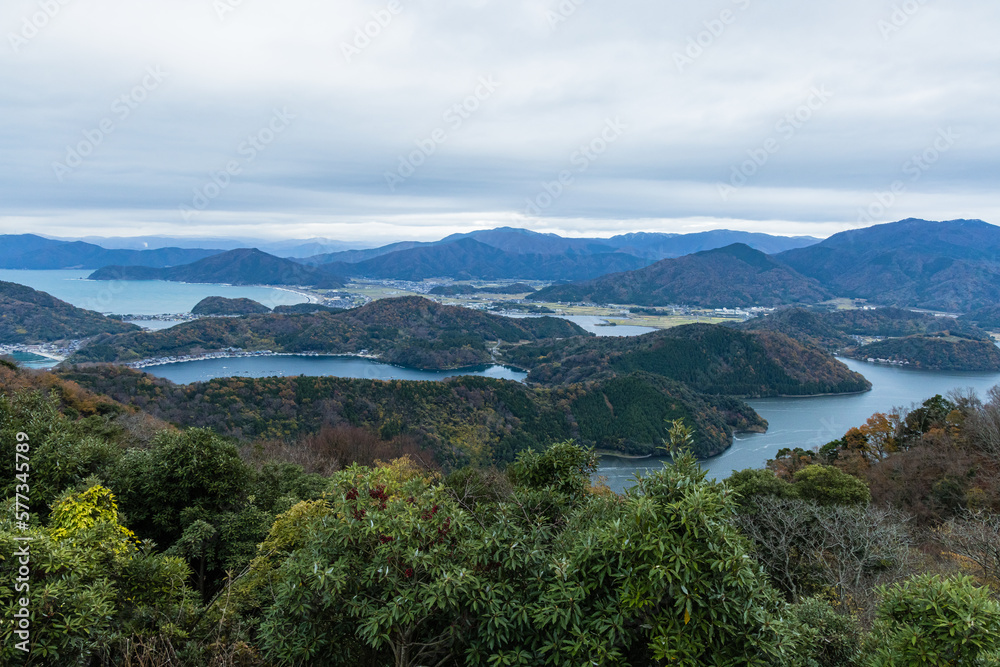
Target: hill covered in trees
[
  {"x": 734, "y": 276},
  {"x": 28, "y": 316},
  {"x": 708, "y": 358},
  {"x": 219, "y": 305},
  {"x": 457, "y": 421},
  {"x": 937, "y": 353},
  {"x": 985, "y": 318},
  {"x": 410, "y": 331},
  {"x": 236, "y": 267},
  {"x": 834, "y": 330},
  {"x": 949, "y": 266}
]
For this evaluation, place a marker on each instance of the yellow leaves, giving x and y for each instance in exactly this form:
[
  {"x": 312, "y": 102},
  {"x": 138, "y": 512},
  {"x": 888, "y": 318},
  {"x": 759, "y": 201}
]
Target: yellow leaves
[{"x": 76, "y": 513}]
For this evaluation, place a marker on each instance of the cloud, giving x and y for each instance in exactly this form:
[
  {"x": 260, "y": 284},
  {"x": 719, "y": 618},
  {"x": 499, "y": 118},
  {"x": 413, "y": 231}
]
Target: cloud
[{"x": 701, "y": 87}]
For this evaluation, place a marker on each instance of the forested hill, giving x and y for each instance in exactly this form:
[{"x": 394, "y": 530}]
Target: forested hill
[
  {"x": 461, "y": 420},
  {"x": 938, "y": 353},
  {"x": 834, "y": 330},
  {"x": 220, "y": 305},
  {"x": 708, "y": 358},
  {"x": 951, "y": 266},
  {"x": 28, "y": 316},
  {"x": 410, "y": 331},
  {"x": 734, "y": 276},
  {"x": 236, "y": 267}
]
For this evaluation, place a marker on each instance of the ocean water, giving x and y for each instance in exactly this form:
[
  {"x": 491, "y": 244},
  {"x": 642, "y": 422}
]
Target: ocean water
[
  {"x": 814, "y": 421},
  {"x": 140, "y": 297}
]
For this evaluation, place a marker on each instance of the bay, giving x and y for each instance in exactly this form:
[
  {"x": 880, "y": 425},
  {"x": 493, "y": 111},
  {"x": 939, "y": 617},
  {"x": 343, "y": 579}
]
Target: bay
[
  {"x": 186, "y": 372},
  {"x": 814, "y": 421},
  {"x": 30, "y": 360},
  {"x": 140, "y": 297}
]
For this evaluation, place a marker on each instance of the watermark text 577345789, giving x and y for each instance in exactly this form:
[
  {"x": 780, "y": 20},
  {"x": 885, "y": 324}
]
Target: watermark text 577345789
[{"x": 22, "y": 509}]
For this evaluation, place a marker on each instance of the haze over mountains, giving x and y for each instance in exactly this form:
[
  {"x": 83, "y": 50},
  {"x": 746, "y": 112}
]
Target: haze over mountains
[
  {"x": 29, "y": 251},
  {"x": 245, "y": 266},
  {"x": 522, "y": 254}
]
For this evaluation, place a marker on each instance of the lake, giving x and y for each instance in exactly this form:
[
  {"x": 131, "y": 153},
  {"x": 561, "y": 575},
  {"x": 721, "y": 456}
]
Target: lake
[
  {"x": 596, "y": 325},
  {"x": 813, "y": 422},
  {"x": 140, "y": 297},
  {"x": 186, "y": 372}
]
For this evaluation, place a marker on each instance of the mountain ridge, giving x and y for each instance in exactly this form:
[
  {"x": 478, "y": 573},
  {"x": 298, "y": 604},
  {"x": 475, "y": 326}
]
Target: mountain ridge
[{"x": 733, "y": 276}]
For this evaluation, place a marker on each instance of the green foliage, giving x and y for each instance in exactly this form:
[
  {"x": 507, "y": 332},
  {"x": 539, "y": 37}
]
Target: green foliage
[
  {"x": 829, "y": 486},
  {"x": 563, "y": 467},
  {"x": 826, "y": 638},
  {"x": 824, "y": 485},
  {"x": 936, "y": 621},
  {"x": 752, "y": 482}
]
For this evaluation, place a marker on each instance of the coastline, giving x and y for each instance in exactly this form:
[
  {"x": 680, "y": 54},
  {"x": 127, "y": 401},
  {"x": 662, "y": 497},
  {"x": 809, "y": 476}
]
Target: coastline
[{"x": 164, "y": 361}]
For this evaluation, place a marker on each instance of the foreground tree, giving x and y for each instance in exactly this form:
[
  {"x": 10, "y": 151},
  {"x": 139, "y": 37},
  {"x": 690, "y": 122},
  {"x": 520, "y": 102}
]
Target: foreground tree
[{"x": 937, "y": 622}]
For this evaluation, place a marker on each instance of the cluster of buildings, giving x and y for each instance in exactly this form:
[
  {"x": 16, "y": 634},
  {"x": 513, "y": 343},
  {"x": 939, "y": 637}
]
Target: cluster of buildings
[{"x": 227, "y": 353}]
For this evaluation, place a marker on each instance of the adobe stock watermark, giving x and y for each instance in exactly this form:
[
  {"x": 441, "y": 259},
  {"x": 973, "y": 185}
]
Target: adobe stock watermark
[
  {"x": 914, "y": 169},
  {"x": 22, "y": 556},
  {"x": 364, "y": 35},
  {"x": 901, "y": 15},
  {"x": 455, "y": 117},
  {"x": 704, "y": 40},
  {"x": 581, "y": 160},
  {"x": 32, "y": 25},
  {"x": 248, "y": 151},
  {"x": 121, "y": 108},
  {"x": 225, "y": 7},
  {"x": 562, "y": 12},
  {"x": 784, "y": 131}
]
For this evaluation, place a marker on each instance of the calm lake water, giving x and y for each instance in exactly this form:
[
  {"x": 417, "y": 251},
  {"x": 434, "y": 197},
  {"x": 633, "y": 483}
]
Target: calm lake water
[
  {"x": 596, "y": 326},
  {"x": 29, "y": 360},
  {"x": 813, "y": 422},
  {"x": 185, "y": 372},
  {"x": 139, "y": 297}
]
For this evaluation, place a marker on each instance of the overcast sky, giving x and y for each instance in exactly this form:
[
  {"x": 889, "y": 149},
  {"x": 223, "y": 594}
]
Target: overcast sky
[{"x": 783, "y": 116}]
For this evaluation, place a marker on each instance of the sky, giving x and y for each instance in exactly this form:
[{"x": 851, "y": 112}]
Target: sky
[{"x": 384, "y": 120}]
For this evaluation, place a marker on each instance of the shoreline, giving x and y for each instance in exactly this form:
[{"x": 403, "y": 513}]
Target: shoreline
[{"x": 156, "y": 361}]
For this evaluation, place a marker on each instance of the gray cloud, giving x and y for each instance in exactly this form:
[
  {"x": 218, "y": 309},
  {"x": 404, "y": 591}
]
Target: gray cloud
[{"x": 701, "y": 86}]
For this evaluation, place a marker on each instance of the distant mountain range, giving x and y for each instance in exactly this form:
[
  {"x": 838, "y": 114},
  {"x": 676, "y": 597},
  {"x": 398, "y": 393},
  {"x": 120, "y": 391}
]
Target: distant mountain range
[
  {"x": 288, "y": 248},
  {"x": 523, "y": 254},
  {"x": 946, "y": 266},
  {"x": 734, "y": 276},
  {"x": 29, "y": 251},
  {"x": 949, "y": 266},
  {"x": 468, "y": 259},
  {"x": 28, "y": 317},
  {"x": 245, "y": 266}
]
